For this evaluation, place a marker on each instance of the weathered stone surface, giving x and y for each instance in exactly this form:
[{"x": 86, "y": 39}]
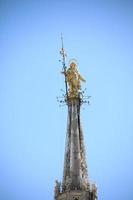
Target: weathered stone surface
[{"x": 75, "y": 184}]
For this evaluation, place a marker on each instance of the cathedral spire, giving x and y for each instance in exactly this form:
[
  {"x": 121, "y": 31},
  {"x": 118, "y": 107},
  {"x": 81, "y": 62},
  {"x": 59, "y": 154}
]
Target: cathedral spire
[{"x": 75, "y": 184}]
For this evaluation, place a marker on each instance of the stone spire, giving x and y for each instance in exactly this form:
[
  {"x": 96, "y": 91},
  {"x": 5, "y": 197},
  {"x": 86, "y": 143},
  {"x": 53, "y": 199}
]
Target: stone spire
[
  {"x": 75, "y": 184},
  {"x": 75, "y": 168}
]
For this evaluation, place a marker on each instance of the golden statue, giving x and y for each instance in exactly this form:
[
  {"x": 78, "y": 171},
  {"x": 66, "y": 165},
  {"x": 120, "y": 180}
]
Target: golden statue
[{"x": 73, "y": 79}]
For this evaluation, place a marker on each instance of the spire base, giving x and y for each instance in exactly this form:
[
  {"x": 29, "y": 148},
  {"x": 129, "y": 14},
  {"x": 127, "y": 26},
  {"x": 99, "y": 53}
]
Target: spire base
[{"x": 90, "y": 194}]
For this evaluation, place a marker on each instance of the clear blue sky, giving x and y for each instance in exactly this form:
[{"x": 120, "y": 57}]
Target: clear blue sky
[{"x": 99, "y": 34}]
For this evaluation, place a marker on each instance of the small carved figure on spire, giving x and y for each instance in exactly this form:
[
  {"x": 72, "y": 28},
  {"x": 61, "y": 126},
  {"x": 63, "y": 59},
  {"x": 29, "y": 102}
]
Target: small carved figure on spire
[{"x": 74, "y": 79}]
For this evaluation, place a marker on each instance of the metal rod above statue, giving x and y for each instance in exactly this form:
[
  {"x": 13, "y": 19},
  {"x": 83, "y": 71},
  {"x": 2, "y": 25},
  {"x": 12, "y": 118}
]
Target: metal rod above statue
[
  {"x": 64, "y": 55},
  {"x": 72, "y": 76}
]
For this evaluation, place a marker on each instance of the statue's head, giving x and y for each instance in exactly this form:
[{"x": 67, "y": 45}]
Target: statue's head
[{"x": 73, "y": 65}]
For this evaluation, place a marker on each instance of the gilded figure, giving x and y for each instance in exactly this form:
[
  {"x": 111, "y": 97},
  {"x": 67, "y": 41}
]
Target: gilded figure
[{"x": 73, "y": 79}]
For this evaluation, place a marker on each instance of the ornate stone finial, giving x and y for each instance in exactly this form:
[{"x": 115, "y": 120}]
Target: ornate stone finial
[
  {"x": 74, "y": 79},
  {"x": 57, "y": 188},
  {"x": 94, "y": 191}
]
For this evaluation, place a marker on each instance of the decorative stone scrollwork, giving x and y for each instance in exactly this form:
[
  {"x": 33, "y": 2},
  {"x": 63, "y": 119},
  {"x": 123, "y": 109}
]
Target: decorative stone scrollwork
[
  {"x": 85, "y": 186},
  {"x": 76, "y": 198},
  {"x": 67, "y": 183}
]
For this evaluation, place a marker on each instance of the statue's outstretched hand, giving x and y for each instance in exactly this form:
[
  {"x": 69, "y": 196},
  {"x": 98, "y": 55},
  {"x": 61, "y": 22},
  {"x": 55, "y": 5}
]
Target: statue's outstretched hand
[{"x": 82, "y": 79}]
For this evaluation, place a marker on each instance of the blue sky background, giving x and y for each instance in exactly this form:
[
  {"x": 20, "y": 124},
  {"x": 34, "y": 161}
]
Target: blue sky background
[{"x": 99, "y": 34}]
